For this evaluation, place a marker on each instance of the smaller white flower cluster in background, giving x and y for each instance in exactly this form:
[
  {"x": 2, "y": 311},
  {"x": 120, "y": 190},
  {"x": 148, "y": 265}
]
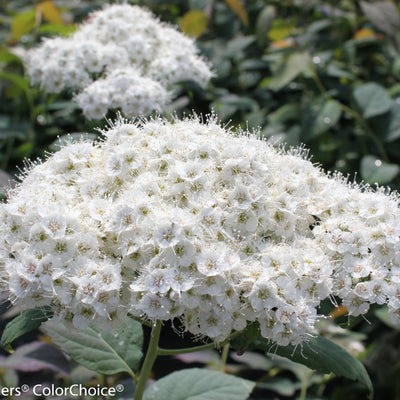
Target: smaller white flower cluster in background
[
  {"x": 123, "y": 58},
  {"x": 187, "y": 220}
]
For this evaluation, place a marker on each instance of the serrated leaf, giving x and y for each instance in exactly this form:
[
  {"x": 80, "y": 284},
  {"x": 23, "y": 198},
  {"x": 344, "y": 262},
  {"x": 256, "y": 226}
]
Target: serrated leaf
[
  {"x": 239, "y": 10},
  {"x": 383, "y": 14},
  {"x": 50, "y": 12},
  {"x": 319, "y": 118},
  {"x": 291, "y": 67},
  {"x": 322, "y": 355},
  {"x": 374, "y": 170},
  {"x": 36, "y": 356},
  {"x": 199, "y": 384},
  {"x": 108, "y": 353},
  {"x": 372, "y": 99},
  {"x": 194, "y": 22},
  {"x": 25, "y": 322},
  {"x": 264, "y": 23},
  {"x": 23, "y": 23}
]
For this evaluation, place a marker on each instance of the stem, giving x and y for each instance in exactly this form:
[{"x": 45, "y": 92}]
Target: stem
[
  {"x": 172, "y": 352},
  {"x": 304, "y": 386},
  {"x": 152, "y": 353},
  {"x": 224, "y": 357}
]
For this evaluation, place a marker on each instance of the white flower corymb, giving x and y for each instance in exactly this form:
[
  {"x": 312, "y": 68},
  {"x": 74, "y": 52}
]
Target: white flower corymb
[
  {"x": 184, "y": 219},
  {"x": 122, "y": 58}
]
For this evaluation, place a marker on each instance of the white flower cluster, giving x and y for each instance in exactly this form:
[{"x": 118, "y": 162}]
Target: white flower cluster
[
  {"x": 122, "y": 57},
  {"x": 187, "y": 220}
]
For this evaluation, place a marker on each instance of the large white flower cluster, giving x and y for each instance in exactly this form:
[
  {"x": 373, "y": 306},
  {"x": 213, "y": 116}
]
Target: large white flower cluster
[
  {"x": 121, "y": 57},
  {"x": 187, "y": 220}
]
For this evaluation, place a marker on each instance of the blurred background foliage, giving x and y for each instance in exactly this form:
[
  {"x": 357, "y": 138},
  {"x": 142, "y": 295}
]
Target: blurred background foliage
[{"x": 321, "y": 73}]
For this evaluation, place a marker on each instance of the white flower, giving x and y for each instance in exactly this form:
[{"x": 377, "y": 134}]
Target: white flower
[
  {"x": 122, "y": 58},
  {"x": 100, "y": 230}
]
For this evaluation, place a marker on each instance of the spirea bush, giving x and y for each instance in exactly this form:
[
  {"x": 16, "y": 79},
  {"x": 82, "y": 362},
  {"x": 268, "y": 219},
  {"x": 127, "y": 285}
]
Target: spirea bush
[
  {"x": 123, "y": 58},
  {"x": 188, "y": 220}
]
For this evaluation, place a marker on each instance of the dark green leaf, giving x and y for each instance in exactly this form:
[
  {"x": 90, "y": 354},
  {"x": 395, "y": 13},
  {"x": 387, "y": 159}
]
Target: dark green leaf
[
  {"x": 374, "y": 170},
  {"x": 320, "y": 117},
  {"x": 383, "y": 14},
  {"x": 322, "y": 355},
  {"x": 372, "y": 99},
  {"x": 246, "y": 338},
  {"x": 199, "y": 384},
  {"x": 17, "y": 80},
  {"x": 238, "y": 44},
  {"x": 387, "y": 125},
  {"x": 264, "y": 23},
  {"x": 25, "y": 322},
  {"x": 285, "y": 113},
  {"x": 104, "y": 352},
  {"x": 294, "y": 65}
]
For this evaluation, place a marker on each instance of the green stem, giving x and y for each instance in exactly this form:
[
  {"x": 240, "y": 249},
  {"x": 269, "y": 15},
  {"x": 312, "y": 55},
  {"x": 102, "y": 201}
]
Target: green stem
[
  {"x": 173, "y": 352},
  {"x": 304, "y": 385},
  {"x": 151, "y": 355},
  {"x": 224, "y": 357}
]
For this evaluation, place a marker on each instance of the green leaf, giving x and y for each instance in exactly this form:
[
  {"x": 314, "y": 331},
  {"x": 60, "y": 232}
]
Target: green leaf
[
  {"x": 264, "y": 23},
  {"x": 337, "y": 72},
  {"x": 374, "y": 170},
  {"x": 58, "y": 29},
  {"x": 199, "y": 384},
  {"x": 17, "y": 80},
  {"x": 387, "y": 125},
  {"x": 319, "y": 118},
  {"x": 23, "y": 23},
  {"x": 372, "y": 99},
  {"x": 237, "y": 45},
  {"x": 246, "y": 338},
  {"x": 8, "y": 57},
  {"x": 194, "y": 22},
  {"x": 25, "y": 322},
  {"x": 383, "y": 14},
  {"x": 281, "y": 29},
  {"x": 239, "y": 10},
  {"x": 291, "y": 67},
  {"x": 322, "y": 355},
  {"x": 285, "y": 113},
  {"x": 50, "y": 12},
  {"x": 104, "y": 352}
]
